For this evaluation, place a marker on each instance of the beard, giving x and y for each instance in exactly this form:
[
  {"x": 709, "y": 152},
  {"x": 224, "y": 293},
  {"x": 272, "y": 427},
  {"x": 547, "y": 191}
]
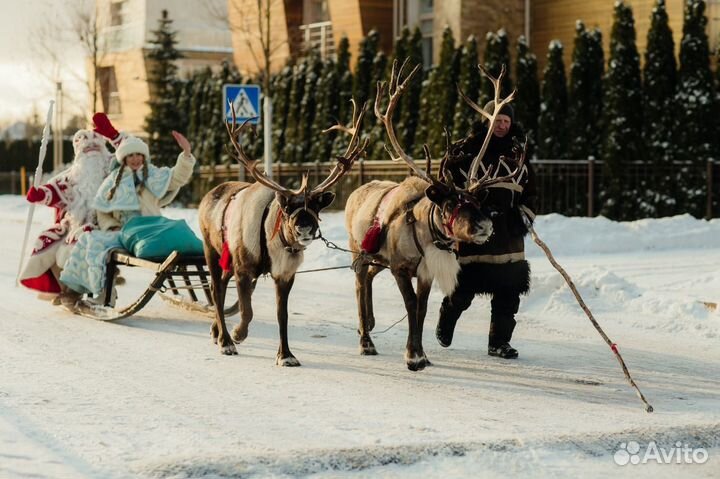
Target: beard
[{"x": 86, "y": 175}]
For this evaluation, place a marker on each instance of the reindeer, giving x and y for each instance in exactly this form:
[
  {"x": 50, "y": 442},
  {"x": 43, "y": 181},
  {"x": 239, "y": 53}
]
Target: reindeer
[
  {"x": 423, "y": 218},
  {"x": 261, "y": 228}
]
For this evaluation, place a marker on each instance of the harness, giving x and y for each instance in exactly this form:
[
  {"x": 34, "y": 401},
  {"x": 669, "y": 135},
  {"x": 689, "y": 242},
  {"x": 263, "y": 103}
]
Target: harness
[
  {"x": 439, "y": 239},
  {"x": 279, "y": 230}
]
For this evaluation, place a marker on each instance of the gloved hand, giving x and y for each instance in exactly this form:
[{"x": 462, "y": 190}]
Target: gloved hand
[
  {"x": 35, "y": 195},
  {"x": 104, "y": 127}
]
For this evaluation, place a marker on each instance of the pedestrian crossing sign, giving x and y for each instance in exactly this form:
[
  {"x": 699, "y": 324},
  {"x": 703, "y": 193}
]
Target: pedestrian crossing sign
[{"x": 245, "y": 99}]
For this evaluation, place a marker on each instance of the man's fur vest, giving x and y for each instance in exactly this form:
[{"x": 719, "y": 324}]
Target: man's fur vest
[{"x": 500, "y": 262}]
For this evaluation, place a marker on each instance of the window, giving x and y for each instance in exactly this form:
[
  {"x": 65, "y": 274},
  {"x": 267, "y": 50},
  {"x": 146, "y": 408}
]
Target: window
[
  {"x": 117, "y": 12},
  {"x": 109, "y": 90},
  {"x": 315, "y": 11},
  {"x": 416, "y": 13}
]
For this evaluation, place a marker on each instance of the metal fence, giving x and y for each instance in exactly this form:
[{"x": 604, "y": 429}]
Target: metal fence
[
  {"x": 10, "y": 183},
  {"x": 570, "y": 187}
]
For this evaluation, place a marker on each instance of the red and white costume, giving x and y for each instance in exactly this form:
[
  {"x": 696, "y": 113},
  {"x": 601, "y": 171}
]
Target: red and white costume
[{"x": 71, "y": 194}]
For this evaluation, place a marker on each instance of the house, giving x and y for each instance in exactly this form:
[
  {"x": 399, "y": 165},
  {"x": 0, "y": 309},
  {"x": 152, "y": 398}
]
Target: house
[
  {"x": 124, "y": 32},
  {"x": 298, "y": 24}
]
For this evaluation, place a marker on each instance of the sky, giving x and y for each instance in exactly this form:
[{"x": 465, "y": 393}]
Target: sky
[{"x": 25, "y": 78}]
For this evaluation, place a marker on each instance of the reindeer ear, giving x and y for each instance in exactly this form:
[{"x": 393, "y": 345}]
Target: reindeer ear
[
  {"x": 323, "y": 200},
  {"x": 436, "y": 193}
]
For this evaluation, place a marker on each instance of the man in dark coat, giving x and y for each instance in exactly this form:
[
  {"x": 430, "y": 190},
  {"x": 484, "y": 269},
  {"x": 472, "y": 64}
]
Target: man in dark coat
[{"x": 497, "y": 267}]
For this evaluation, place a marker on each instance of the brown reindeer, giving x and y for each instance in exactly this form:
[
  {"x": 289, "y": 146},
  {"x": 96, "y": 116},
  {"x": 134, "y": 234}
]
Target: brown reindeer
[
  {"x": 263, "y": 228},
  {"x": 423, "y": 218}
]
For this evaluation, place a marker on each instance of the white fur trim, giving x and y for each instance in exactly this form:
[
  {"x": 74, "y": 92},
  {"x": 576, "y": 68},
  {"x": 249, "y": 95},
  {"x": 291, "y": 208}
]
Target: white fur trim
[{"x": 130, "y": 145}]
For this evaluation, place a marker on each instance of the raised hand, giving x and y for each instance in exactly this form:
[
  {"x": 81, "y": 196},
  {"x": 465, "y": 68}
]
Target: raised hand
[
  {"x": 104, "y": 126},
  {"x": 182, "y": 142}
]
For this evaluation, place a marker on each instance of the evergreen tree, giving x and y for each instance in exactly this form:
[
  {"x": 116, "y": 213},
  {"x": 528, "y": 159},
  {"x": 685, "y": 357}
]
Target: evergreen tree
[
  {"x": 282, "y": 85},
  {"x": 345, "y": 80},
  {"x": 374, "y": 128},
  {"x": 326, "y": 114},
  {"x": 622, "y": 116},
  {"x": 292, "y": 127},
  {"x": 527, "y": 99},
  {"x": 552, "y": 135},
  {"x": 695, "y": 109},
  {"x": 410, "y": 115},
  {"x": 163, "y": 81},
  {"x": 442, "y": 95},
  {"x": 659, "y": 83},
  {"x": 497, "y": 54},
  {"x": 345, "y": 90},
  {"x": 308, "y": 106},
  {"x": 363, "y": 81},
  {"x": 584, "y": 93},
  {"x": 469, "y": 83}
]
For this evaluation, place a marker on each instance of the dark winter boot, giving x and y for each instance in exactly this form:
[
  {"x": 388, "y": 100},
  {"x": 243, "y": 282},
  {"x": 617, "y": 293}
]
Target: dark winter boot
[
  {"x": 450, "y": 311},
  {"x": 502, "y": 324},
  {"x": 504, "y": 351}
]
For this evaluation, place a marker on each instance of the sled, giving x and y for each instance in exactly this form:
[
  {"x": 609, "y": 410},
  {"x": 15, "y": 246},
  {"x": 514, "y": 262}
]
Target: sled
[{"x": 181, "y": 280}]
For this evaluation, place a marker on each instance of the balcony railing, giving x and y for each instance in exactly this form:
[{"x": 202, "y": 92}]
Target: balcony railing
[
  {"x": 318, "y": 35},
  {"x": 122, "y": 37}
]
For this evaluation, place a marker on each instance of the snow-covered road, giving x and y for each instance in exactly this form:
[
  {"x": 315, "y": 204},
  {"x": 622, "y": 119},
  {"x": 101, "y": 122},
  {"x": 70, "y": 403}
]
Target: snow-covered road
[{"x": 150, "y": 396}]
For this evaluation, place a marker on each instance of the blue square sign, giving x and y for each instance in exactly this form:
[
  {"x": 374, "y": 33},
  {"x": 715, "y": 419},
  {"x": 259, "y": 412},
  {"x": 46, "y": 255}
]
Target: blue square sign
[{"x": 245, "y": 99}]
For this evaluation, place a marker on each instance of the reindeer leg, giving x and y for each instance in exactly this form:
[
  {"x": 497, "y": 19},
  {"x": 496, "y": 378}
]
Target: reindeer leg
[
  {"x": 372, "y": 272},
  {"x": 282, "y": 291},
  {"x": 245, "y": 287},
  {"x": 219, "y": 288},
  {"x": 414, "y": 358},
  {"x": 423, "y": 292},
  {"x": 362, "y": 282}
]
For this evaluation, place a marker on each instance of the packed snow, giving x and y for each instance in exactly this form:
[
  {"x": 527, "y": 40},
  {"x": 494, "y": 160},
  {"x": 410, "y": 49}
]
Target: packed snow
[{"x": 151, "y": 396}]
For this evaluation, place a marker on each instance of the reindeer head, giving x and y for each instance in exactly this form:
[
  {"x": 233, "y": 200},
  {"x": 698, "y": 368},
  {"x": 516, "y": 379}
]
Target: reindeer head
[
  {"x": 459, "y": 211},
  {"x": 298, "y": 220}
]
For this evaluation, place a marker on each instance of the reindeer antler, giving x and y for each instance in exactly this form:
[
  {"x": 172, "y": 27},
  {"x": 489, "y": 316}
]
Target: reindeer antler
[
  {"x": 488, "y": 179},
  {"x": 251, "y": 165},
  {"x": 396, "y": 89},
  {"x": 354, "y": 150},
  {"x": 498, "y": 104}
]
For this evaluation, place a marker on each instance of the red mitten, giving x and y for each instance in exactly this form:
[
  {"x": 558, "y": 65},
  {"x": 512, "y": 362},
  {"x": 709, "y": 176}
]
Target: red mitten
[
  {"x": 35, "y": 195},
  {"x": 104, "y": 127}
]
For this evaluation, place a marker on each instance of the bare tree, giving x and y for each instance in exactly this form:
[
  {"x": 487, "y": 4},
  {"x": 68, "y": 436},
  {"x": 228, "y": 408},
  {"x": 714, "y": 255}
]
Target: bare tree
[
  {"x": 251, "y": 19},
  {"x": 71, "y": 26}
]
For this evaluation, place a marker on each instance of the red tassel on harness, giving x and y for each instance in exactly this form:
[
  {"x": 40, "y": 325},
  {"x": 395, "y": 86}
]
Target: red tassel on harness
[
  {"x": 371, "y": 241},
  {"x": 225, "y": 258}
]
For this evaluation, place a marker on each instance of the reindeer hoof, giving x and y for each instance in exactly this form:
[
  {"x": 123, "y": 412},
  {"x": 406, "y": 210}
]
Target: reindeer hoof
[
  {"x": 239, "y": 334},
  {"x": 290, "y": 362},
  {"x": 416, "y": 362},
  {"x": 228, "y": 350},
  {"x": 367, "y": 348}
]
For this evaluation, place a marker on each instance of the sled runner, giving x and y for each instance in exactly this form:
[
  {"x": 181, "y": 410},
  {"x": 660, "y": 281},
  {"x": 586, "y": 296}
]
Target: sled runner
[{"x": 181, "y": 280}]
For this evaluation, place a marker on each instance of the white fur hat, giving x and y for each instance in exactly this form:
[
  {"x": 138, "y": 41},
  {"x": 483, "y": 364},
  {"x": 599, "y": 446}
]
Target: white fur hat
[{"x": 130, "y": 145}]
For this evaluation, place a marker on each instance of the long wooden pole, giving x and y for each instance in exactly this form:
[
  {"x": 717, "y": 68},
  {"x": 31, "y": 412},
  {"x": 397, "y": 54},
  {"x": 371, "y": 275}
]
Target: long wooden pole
[{"x": 613, "y": 346}]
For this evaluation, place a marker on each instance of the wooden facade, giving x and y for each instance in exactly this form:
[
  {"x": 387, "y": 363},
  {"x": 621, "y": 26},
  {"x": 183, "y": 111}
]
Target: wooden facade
[
  {"x": 555, "y": 19},
  {"x": 124, "y": 35}
]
